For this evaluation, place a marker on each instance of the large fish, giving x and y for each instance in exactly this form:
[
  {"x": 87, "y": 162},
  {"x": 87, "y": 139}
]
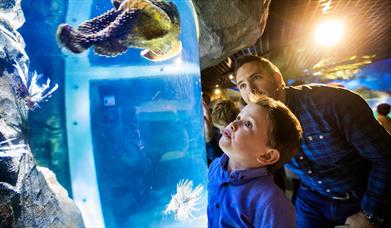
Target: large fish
[{"x": 152, "y": 25}]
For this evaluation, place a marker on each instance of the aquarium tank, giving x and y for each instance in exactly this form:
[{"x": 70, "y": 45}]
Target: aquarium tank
[{"x": 124, "y": 130}]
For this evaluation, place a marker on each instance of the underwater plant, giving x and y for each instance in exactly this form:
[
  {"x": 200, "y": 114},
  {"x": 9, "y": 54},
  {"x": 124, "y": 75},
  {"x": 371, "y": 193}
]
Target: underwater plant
[
  {"x": 184, "y": 201},
  {"x": 152, "y": 25},
  {"x": 30, "y": 90}
]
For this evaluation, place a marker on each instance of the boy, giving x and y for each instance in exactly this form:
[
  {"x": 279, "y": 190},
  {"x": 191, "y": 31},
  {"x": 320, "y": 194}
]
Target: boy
[{"x": 242, "y": 193}]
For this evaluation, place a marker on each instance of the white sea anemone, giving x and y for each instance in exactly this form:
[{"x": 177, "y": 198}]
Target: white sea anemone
[
  {"x": 184, "y": 202},
  {"x": 32, "y": 92},
  {"x": 6, "y": 147}
]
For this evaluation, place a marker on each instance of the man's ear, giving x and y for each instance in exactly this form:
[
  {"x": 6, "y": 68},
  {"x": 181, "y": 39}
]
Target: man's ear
[
  {"x": 278, "y": 79},
  {"x": 270, "y": 157}
]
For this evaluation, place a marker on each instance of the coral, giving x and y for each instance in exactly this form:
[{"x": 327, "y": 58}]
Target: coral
[
  {"x": 30, "y": 90},
  {"x": 184, "y": 202},
  {"x": 12, "y": 148}
]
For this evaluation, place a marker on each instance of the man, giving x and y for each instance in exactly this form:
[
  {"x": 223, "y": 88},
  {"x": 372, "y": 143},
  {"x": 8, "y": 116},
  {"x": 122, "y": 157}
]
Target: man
[{"x": 344, "y": 162}]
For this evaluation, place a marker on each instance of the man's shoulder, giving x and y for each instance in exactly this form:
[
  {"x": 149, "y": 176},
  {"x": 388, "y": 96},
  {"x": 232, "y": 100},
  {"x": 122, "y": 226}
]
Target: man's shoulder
[
  {"x": 319, "y": 92},
  {"x": 316, "y": 88}
]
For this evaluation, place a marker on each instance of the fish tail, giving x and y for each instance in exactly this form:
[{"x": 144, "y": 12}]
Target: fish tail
[{"x": 72, "y": 39}]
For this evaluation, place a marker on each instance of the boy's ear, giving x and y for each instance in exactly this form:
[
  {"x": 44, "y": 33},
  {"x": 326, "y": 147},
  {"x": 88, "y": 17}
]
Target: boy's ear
[{"x": 270, "y": 157}]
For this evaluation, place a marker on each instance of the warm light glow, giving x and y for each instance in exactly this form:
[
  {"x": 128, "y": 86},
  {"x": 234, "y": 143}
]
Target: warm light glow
[
  {"x": 217, "y": 86},
  {"x": 231, "y": 77},
  {"x": 178, "y": 61},
  {"x": 217, "y": 91},
  {"x": 329, "y": 33}
]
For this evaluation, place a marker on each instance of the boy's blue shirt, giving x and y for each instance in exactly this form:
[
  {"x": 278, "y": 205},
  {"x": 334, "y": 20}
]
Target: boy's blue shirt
[{"x": 247, "y": 198}]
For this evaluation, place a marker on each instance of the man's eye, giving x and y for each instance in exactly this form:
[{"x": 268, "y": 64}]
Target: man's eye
[
  {"x": 257, "y": 77},
  {"x": 238, "y": 118},
  {"x": 242, "y": 86},
  {"x": 248, "y": 124}
]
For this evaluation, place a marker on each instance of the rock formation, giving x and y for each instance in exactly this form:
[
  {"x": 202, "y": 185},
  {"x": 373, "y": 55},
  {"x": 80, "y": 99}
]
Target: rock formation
[
  {"x": 228, "y": 26},
  {"x": 29, "y": 197}
]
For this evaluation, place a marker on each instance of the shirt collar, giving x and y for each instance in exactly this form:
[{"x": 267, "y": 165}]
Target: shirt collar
[
  {"x": 289, "y": 93},
  {"x": 241, "y": 176}
]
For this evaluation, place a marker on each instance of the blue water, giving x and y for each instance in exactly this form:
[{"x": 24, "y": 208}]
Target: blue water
[
  {"x": 131, "y": 128},
  {"x": 151, "y": 140},
  {"x": 376, "y": 76}
]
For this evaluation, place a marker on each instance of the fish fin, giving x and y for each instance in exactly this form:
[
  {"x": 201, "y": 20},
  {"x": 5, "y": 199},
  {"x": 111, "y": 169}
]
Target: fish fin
[
  {"x": 98, "y": 23},
  {"x": 147, "y": 7},
  {"x": 170, "y": 9},
  {"x": 116, "y": 3},
  {"x": 124, "y": 23},
  {"x": 158, "y": 55},
  {"x": 72, "y": 39},
  {"x": 110, "y": 49},
  {"x": 119, "y": 29}
]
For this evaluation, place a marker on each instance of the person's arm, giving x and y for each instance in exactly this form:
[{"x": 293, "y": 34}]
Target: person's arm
[
  {"x": 357, "y": 124},
  {"x": 208, "y": 124}
]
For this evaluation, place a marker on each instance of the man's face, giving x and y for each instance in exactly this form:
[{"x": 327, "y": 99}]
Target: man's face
[
  {"x": 246, "y": 138},
  {"x": 253, "y": 80}
]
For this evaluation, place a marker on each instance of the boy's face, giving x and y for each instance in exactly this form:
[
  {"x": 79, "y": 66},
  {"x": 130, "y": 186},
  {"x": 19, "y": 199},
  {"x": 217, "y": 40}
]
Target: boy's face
[{"x": 245, "y": 139}]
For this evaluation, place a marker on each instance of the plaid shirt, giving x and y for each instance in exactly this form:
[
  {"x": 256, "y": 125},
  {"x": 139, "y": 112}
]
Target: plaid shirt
[{"x": 344, "y": 148}]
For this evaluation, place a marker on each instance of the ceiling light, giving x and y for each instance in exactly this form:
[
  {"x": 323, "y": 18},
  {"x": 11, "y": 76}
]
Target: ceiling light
[{"x": 329, "y": 33}]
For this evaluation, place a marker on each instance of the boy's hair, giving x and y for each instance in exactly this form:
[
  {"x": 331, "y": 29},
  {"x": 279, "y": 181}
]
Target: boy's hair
[
  {"x": 224, "y": 112},
  {"x": 269, "y": 67},
  {"x": 284, "y": 130},
  {"x": 383, "y": 109}
]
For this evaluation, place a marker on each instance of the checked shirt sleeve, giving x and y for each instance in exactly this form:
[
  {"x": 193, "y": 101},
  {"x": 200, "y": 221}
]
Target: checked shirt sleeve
[{"x": 356, "y": 122}]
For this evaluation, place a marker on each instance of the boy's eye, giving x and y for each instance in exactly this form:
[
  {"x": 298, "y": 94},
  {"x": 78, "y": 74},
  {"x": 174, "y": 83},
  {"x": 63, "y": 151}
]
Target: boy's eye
[
  {"x": 238, "y": 118},
  {"x": 248, "y": 124}
]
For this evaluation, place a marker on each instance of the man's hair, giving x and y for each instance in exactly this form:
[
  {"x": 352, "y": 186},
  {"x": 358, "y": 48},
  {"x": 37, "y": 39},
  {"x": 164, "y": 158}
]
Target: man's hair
[
  {"x": 270, "y": 68},
  {"x": 224, "y": 112},
  {"x": 383, "y": 109},
  {"x": 284, "y": 130}
]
